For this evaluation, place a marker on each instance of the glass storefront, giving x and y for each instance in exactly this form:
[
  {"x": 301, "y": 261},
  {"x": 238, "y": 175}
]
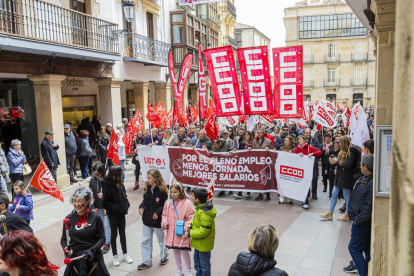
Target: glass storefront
[
  {"x": 76, "y": 108},
  {"x": 18, "y": 116}
]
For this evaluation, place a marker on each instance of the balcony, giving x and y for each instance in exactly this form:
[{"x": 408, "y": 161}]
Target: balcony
[
  {"x": 307, "y": 59},
  {"x": 359, "y": 82},
  {"x": 38, "y": 27},
  {"x": 231, "y": 41},
  {"x": 335, "y": 59},
  {"x": 359, "y": 57},
  {"x": 145, "y": 50},
  {"x": 230, "y": 8},
  {"x": 331, "y": 83},
  {"x": 308, "y": 84}
]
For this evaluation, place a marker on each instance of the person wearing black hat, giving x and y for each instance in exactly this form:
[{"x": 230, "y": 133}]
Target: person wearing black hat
[{"x": 49, "y": 153}]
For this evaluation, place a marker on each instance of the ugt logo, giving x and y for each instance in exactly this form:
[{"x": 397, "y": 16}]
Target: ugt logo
[{"x": 291, "y": 171}]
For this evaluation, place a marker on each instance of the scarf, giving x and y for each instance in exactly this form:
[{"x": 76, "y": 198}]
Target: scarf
[{"x": 327, "y": 146}]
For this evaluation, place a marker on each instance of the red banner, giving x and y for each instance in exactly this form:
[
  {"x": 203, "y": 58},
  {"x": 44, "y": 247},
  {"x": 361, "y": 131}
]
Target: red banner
[
  {"x": 223, "y": 79},
  {"x": 134, "y": 125},
  {"x": 43, "y": 180},
  {"x": 172, "y": 74},
  {"x": 211, "y": 128},
  {"x": 184, "y": 73},
  {"x": 257, "y": 85},
  {"x": 201, "y": 86},
  {"x": 244, "y": 170},
  {"x": 288, "y": 73},
  {"x": 113, "y": 149}
]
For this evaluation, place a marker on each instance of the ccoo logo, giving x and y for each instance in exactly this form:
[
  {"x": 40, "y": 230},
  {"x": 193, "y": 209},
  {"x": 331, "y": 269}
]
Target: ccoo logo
[{"x": 291, "y": 171}]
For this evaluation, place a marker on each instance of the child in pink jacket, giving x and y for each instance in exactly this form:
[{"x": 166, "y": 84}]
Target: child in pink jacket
[{"x": 181, "y": 205}]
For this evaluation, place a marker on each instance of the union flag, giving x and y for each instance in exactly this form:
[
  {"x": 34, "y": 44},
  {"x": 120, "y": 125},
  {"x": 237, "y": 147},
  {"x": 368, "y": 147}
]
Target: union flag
[{"x": 43, "y": 180}]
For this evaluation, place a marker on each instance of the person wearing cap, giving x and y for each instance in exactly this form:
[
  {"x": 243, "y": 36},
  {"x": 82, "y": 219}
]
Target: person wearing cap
[
  {"x": 71, "y": 149},
  {"x": 49, "y": 153},
  {"x": 125, "y": 122}
]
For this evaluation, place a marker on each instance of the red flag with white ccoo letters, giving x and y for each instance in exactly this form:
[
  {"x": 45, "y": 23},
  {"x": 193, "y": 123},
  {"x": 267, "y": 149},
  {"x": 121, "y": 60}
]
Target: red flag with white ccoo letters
[{"x": 43, "y": 180}]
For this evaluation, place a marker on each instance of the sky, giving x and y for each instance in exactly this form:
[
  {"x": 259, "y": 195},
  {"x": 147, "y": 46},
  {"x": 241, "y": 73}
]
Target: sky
[{"x": 266, "y": 16}]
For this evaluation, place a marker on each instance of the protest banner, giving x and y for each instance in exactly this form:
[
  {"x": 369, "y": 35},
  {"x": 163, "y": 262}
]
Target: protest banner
[
  {"x": 246, "y": 171},
  {"x": 294, "y": 175}
]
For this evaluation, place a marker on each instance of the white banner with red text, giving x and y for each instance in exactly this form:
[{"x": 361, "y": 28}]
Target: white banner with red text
[{"x": 246, "y": 171}]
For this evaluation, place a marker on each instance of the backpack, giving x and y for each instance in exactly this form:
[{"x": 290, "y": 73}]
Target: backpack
[{"x": 123, "y": 202}]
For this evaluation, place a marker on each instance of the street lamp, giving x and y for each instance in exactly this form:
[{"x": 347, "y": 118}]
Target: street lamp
[{"x": 128, "y": 7}]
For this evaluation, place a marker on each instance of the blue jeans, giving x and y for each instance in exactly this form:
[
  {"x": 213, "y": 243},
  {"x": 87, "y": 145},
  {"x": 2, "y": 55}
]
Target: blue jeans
[
  {"x": 107, "y": 226},
  {"x": 334, "y": 198},
  {"x": 360, "y": 242},
  {"x": 83, "y": 163},
  {"x": 122, "y": 162},
  {"x": 202, "y": 263},
  {"x": 3, "y": 185}
]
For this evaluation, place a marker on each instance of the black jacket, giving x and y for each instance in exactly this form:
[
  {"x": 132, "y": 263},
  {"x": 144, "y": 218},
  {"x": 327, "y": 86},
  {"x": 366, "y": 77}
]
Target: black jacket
[
  {"x": 112, "y": 200},
  {"x": 90, "y": 128},
  {"x": 15, "y": 222},
  {"x": 96, "y": 124},
  {"x": 345, "y": 172},
  {"x": 103, "y": 146},
  {"x": 96, "y": 186},
  {"x": 328, "y": 165},
  {"x": 49, "y": 153},
  {"x": 360, "y": 202},
  {"x": 252, "y": 265},
  {"x": 153, "y": 203},
  {"x": 325, "y": 157}
]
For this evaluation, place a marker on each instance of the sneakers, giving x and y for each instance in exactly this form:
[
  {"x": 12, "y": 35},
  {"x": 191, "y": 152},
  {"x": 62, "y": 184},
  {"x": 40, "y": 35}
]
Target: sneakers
[
  {"x": 230, "y": 193},
  {"x": 164, "y": 262},
  {"x": 136, "y": 187},
  {"x": 105, "y": 248},
  {"x": 248, "y": 195},
  {"x": 268, "y": 198},
  {"x": 351, "y": 268},
  {"x": 259, "y": 197},
  {"x": 304, "y": 205},
  {"x": 115, "y": 262},
  {"x": 143, "y": 266},
  {"x": 179, "y": 273},
  {"x": 189, "y": 273},
  {"x": 221, "y": 194},
  {"x": 126, "y": 258},
  {"x": 238, "y": 195},
  {"x": 344, "y": 217},
  {"x": 328, "y": 215}
]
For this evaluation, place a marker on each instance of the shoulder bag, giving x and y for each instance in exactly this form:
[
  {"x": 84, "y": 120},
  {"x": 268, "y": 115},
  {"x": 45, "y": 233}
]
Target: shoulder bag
[
  {"x": 179, "y": 224},
  {"x": 26, "y": 169}
]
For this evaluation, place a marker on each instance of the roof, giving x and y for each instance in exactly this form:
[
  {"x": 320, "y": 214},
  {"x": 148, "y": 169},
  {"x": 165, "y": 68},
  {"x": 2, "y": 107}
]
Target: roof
[
  {"x": 240, "y": 26},
  {"x": 303, "y": 4}
]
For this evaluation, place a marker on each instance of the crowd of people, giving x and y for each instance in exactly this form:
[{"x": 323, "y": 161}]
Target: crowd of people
[{"x": 180, "y": 223}]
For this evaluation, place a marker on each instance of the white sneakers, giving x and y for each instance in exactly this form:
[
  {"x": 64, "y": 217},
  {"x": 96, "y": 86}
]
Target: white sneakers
[
  {"x": 126, "y": 258},
  {"x": 180, "y": 273},
  {"x": 115, "y": 262},
  {"x": 189, "y": 273}
]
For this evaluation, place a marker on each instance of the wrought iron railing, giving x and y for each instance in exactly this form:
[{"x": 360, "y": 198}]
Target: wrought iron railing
[
  {"x": 332, "y": 83},
  {"x": 359, "y": 56},
  {"x": 230, "y": 8},
  {"x": 43, "y": 21},
  {"x": 146, "y": 48},
  {"x": 329, "y": 59},
  {"x": 360, "y": 82}
]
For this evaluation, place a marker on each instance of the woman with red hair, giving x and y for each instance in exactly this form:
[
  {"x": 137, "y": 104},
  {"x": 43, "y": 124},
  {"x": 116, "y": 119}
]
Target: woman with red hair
[{"x": 21, "y": 254}]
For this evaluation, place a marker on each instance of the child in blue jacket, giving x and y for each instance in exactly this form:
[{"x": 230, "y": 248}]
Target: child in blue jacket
[{"x": 22, "y": 202}]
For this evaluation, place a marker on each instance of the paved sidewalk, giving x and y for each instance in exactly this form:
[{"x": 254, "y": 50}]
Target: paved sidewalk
[{"x": 308, "y": 245}]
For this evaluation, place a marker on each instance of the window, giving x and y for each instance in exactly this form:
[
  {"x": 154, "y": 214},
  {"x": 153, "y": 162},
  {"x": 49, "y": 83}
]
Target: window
[
  {"x": 306, "y": 53},
  {"x": 306, "y": 97},
  {"x": 358, "y": 97},
  {"x": 338, "y": 25},
  {"x": 177, "y": 18},
  {"x": 358, "y": 75},
  {"x": 202, "y": 11},
  {"x": 77, "y": 6},
  {"x": 332, "y": 74},
  {"x": 331, "y": 97},
  {"x": 331, "y": 51},
  {"x": 178, "y": 35},
  {"x": 306, "y": 77},
  {"x": 150, "y": 25}
]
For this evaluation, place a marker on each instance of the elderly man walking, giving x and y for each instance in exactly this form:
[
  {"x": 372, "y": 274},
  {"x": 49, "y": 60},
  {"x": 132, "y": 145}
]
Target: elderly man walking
[{"x": 49, "y": 153}]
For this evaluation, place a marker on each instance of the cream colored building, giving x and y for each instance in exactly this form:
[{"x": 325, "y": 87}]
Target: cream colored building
[
  {"x": 339, "y": 63},
  {"x": 227, "y": 20}
]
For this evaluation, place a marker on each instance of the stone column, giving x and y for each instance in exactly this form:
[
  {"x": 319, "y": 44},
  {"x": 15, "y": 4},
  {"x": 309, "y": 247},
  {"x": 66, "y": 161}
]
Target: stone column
[
  {"x": 141, "y": 98},
  {"x": 163, "y": 94},
  {"x": 110, "y": 101},
  {"x": 401, "y": 243},
  {"x": 49, "y": 116},
  {"x": 194, "y": 93}
]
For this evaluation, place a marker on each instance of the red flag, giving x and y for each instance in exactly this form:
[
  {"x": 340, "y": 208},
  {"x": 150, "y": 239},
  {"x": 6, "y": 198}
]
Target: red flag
[
  {"x": 242, "y": 118},
  {"x": 169, "y": 119},
  {"x": 210, "y": 111},
  {"x": 212, "y": 105},
  {"x": 288, "y": 75},
  {"x": 132, "y": 130},
  {"x": 257, "y": 85},
  {"x": 43, "y": 180},
  {"x": 113, "y": 149},
  {"x": 210, "y": 190},
  {"x": 185, "y": 118},
  {"x": 184, "y": 73},
  {"x": 224, "y": 81},
  {"x": 194, "y": 114},
  {"x": 153, "y": 117},
  {"x": 161, "y": 111},
  {"x": 16, "y": 112},
  {"x": 139, "y": 124},
  {"x": 202, "y": 86},
  {"x": 211, "y": 128}
]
